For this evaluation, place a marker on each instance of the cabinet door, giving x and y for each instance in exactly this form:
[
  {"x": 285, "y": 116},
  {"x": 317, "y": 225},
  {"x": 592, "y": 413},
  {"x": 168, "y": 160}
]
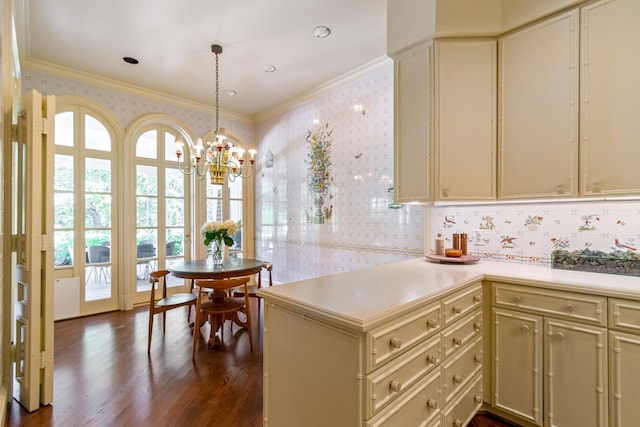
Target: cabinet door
[
  {"x": 517, "y": 364},
  {"x": 412, "y": 140},
  {"x": 609, "y": 149},
  {"x": 623, "y": 377},
  {"x": 465, "y": 126},
  {"x": 538, "y": 99},
  {"x": 576, "y": 374}
]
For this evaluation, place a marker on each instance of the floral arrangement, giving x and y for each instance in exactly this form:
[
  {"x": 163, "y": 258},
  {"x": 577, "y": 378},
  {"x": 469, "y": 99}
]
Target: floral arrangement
[
  {"x": 319, "y": 159},
  {"x": 219, "y": 231}
]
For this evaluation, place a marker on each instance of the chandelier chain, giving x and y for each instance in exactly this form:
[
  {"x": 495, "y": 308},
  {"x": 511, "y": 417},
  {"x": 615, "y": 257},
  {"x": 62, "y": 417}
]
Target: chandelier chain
[{"x": 217, "y": 90}]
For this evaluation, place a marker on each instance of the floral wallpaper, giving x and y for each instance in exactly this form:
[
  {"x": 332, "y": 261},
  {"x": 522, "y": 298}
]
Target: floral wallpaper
[{"x": 319, "y": 173}]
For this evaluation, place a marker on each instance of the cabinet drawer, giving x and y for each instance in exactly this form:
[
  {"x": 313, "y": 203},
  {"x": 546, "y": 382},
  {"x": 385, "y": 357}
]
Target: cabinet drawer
[
  {"x": 567, "y": 305},
  {"x": 387, "y": 383},
  {"x": 624, "y": 314},
  {"x": 391, "y": 340},
  {"x": 459, "y": 334},
  {"x": 462, "y": 302},
  {"x": 459, "y": 369},
  {"x": 418, "y": 406},
  {"x": 462, "y": 409}
]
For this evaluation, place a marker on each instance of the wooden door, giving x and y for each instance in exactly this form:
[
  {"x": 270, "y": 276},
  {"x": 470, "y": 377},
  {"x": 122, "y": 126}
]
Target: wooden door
[{"x": 32, "y": 227}]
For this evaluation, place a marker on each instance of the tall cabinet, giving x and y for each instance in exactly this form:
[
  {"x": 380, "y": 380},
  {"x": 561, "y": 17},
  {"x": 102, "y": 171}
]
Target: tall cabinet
[
  {"x": 538, "y": 107},
  {"x": 610, "y": 98},
  {"x": 465, "y": 118},
  {"x": 412, "y": 124}
]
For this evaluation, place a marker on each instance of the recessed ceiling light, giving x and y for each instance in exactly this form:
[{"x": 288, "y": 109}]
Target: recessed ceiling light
[
  {"x": 321, "y": 31},
  {"x": 130, "y": 60},
  {"x": 269, "y": 68},
  {"x": 231, "y": 93}
]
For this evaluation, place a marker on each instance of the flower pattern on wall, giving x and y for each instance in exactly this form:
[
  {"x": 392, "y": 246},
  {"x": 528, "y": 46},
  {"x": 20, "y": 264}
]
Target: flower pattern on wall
[{"x": 318, "y": 171}]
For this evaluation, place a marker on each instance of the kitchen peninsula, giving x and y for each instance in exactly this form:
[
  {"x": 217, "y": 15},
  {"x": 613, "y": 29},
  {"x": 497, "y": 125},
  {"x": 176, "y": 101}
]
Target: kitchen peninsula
[{"x": 421, "y": 343}]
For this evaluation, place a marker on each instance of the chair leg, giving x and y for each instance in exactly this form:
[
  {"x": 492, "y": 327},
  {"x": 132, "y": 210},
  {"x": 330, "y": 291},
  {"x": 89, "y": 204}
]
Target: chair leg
[
  {"x": 150, "y": 331},
  {"x": 196, "y": 334},
  {"x": 164, "y": 322}
]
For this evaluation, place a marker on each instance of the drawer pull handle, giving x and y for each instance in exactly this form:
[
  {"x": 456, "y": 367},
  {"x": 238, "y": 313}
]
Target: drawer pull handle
[
  {"x": 457, "y": 379},
  {"x": 395, "y": 386},
  {"x": 477, "y": 399},
  {"x": 431, "y": 359},
  {"x": 432, "y": 404},
  {"x": 457, "y": 309},
  {"x": 477, "y": 298},
  {"x": 432, "y": 323},
  {"x": 517, "y": 299},
  {"x": 457, "y": 423},
  {"x": 457, "y": 341},
  {"x": 396, "y": 342},
  {"x": 477, "y": 358},
  {"x": 525, "y": 328},
  {"x": 570, "y": 308},
  {"x": 477, "y": 326}
]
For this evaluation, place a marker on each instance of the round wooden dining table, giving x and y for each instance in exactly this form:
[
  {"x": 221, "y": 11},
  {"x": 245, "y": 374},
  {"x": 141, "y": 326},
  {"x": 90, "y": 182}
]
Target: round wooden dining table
[{"x": 206, "y": 269}]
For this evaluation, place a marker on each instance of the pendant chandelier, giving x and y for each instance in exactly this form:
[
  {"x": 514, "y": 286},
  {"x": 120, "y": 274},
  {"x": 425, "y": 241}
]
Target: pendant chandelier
[{"x": 221, "y": 156}]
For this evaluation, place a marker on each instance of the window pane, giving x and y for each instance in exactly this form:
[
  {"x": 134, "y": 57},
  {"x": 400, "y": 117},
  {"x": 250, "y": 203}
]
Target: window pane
[
  {"x": 63, "y": 210},
  {"x": 97, "y": 238},
  {"x": 235, "y": 188},
  {"x": 175, "y": 182},
  {"x": 170, "y": 147},
  {"x": 147, "y": 145},
  {"x": 64, "y": 129},
  {"x": 213, "y": 190},
  {"x": 147, "y": 236},
  {"x": 175, "y": 212},
  {"x": 63, "y": 173},
  {"x": 63, "y": 248},
  {"x": 97, "y": 176},
  {"x": 176, "y": 236},
  {"x": 146, "y": 180},
  {"x": 96, "y": 136},
  {"x": 214, "y": 210},
  {"x": 98, "y": 210},
  {"x": 146, "y": 211},
  {"x": 235, "y": 214}
]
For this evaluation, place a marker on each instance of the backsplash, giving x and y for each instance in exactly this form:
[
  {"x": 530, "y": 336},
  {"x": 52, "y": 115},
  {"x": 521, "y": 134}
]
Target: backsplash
[{"x": 530, "y": 232}]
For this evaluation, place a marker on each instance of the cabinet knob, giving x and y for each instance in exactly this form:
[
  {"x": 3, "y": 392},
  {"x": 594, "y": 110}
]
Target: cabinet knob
[
  {"x": 457, "y": 379},
  {"x": 517, "y": 299},
  {"x": 432, "y": 404},
  {"x": 477, "y": 298},
  {"x": 445, "y": 192},
  {"x": 595, "y": 187},
  {"x": 457, "y": 423},
  {"x": 395, "y": 386},
  {"x": 559, "y": 336},
  {"x": 431, "y": 359},
  {"x": 477, "y": 358},
  {"x": 560, "y": 189},
  {"x": 396, "y": 342},
  {"x": 457, "y": 309},
  {"x": 525, "y": 328},
  {"x": 432, "y": 323},
  {"x": 457, "y": 341},
  {"x": 570, "y": 308},
  {"x": 477, "y": 399},
  {"x": 477, "y": 326}
]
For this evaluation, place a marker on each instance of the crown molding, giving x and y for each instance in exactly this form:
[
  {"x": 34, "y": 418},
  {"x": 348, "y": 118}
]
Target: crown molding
[
  {"x": 112, "y": 84},
  {"x": 350, "y": 76}
]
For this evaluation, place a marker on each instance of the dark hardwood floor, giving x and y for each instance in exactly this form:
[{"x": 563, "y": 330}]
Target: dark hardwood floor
[{"x": 103, "y": 376}]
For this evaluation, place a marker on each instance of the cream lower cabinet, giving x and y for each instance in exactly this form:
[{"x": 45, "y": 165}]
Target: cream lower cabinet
[
  {"x": 624, "y": 360},
  {"x": 423, "y": 368},
  {"x": 549, "y": 370}
]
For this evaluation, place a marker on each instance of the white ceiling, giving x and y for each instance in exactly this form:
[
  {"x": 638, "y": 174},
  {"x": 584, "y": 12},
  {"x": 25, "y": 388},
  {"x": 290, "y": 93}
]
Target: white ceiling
[{"x": 172, "y": 40}]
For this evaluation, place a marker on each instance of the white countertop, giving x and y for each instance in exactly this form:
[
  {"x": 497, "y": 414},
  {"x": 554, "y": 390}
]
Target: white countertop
[{"x": 360, "y": 299}]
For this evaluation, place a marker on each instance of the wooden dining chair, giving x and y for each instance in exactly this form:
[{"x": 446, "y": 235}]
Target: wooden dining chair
[
  {"x": 214, "y": 301},
  {"x": 253, "y": 289},
  {"x": 165, "y": 303}
]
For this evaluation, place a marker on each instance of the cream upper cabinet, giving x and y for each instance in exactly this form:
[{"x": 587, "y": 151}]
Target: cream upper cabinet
[
  {"x": 412, "y": 140},
  {"x": 610, "y": 98},
  {"x": 465, "y": 119},
  {"x": 538, "y": 110}
]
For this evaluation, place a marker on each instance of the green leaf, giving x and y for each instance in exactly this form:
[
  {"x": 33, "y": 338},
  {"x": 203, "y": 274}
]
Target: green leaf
[{"x": 228, "y": 241}]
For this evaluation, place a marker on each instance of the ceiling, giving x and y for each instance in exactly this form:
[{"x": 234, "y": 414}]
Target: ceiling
[{"x": 172, "y": 40}]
